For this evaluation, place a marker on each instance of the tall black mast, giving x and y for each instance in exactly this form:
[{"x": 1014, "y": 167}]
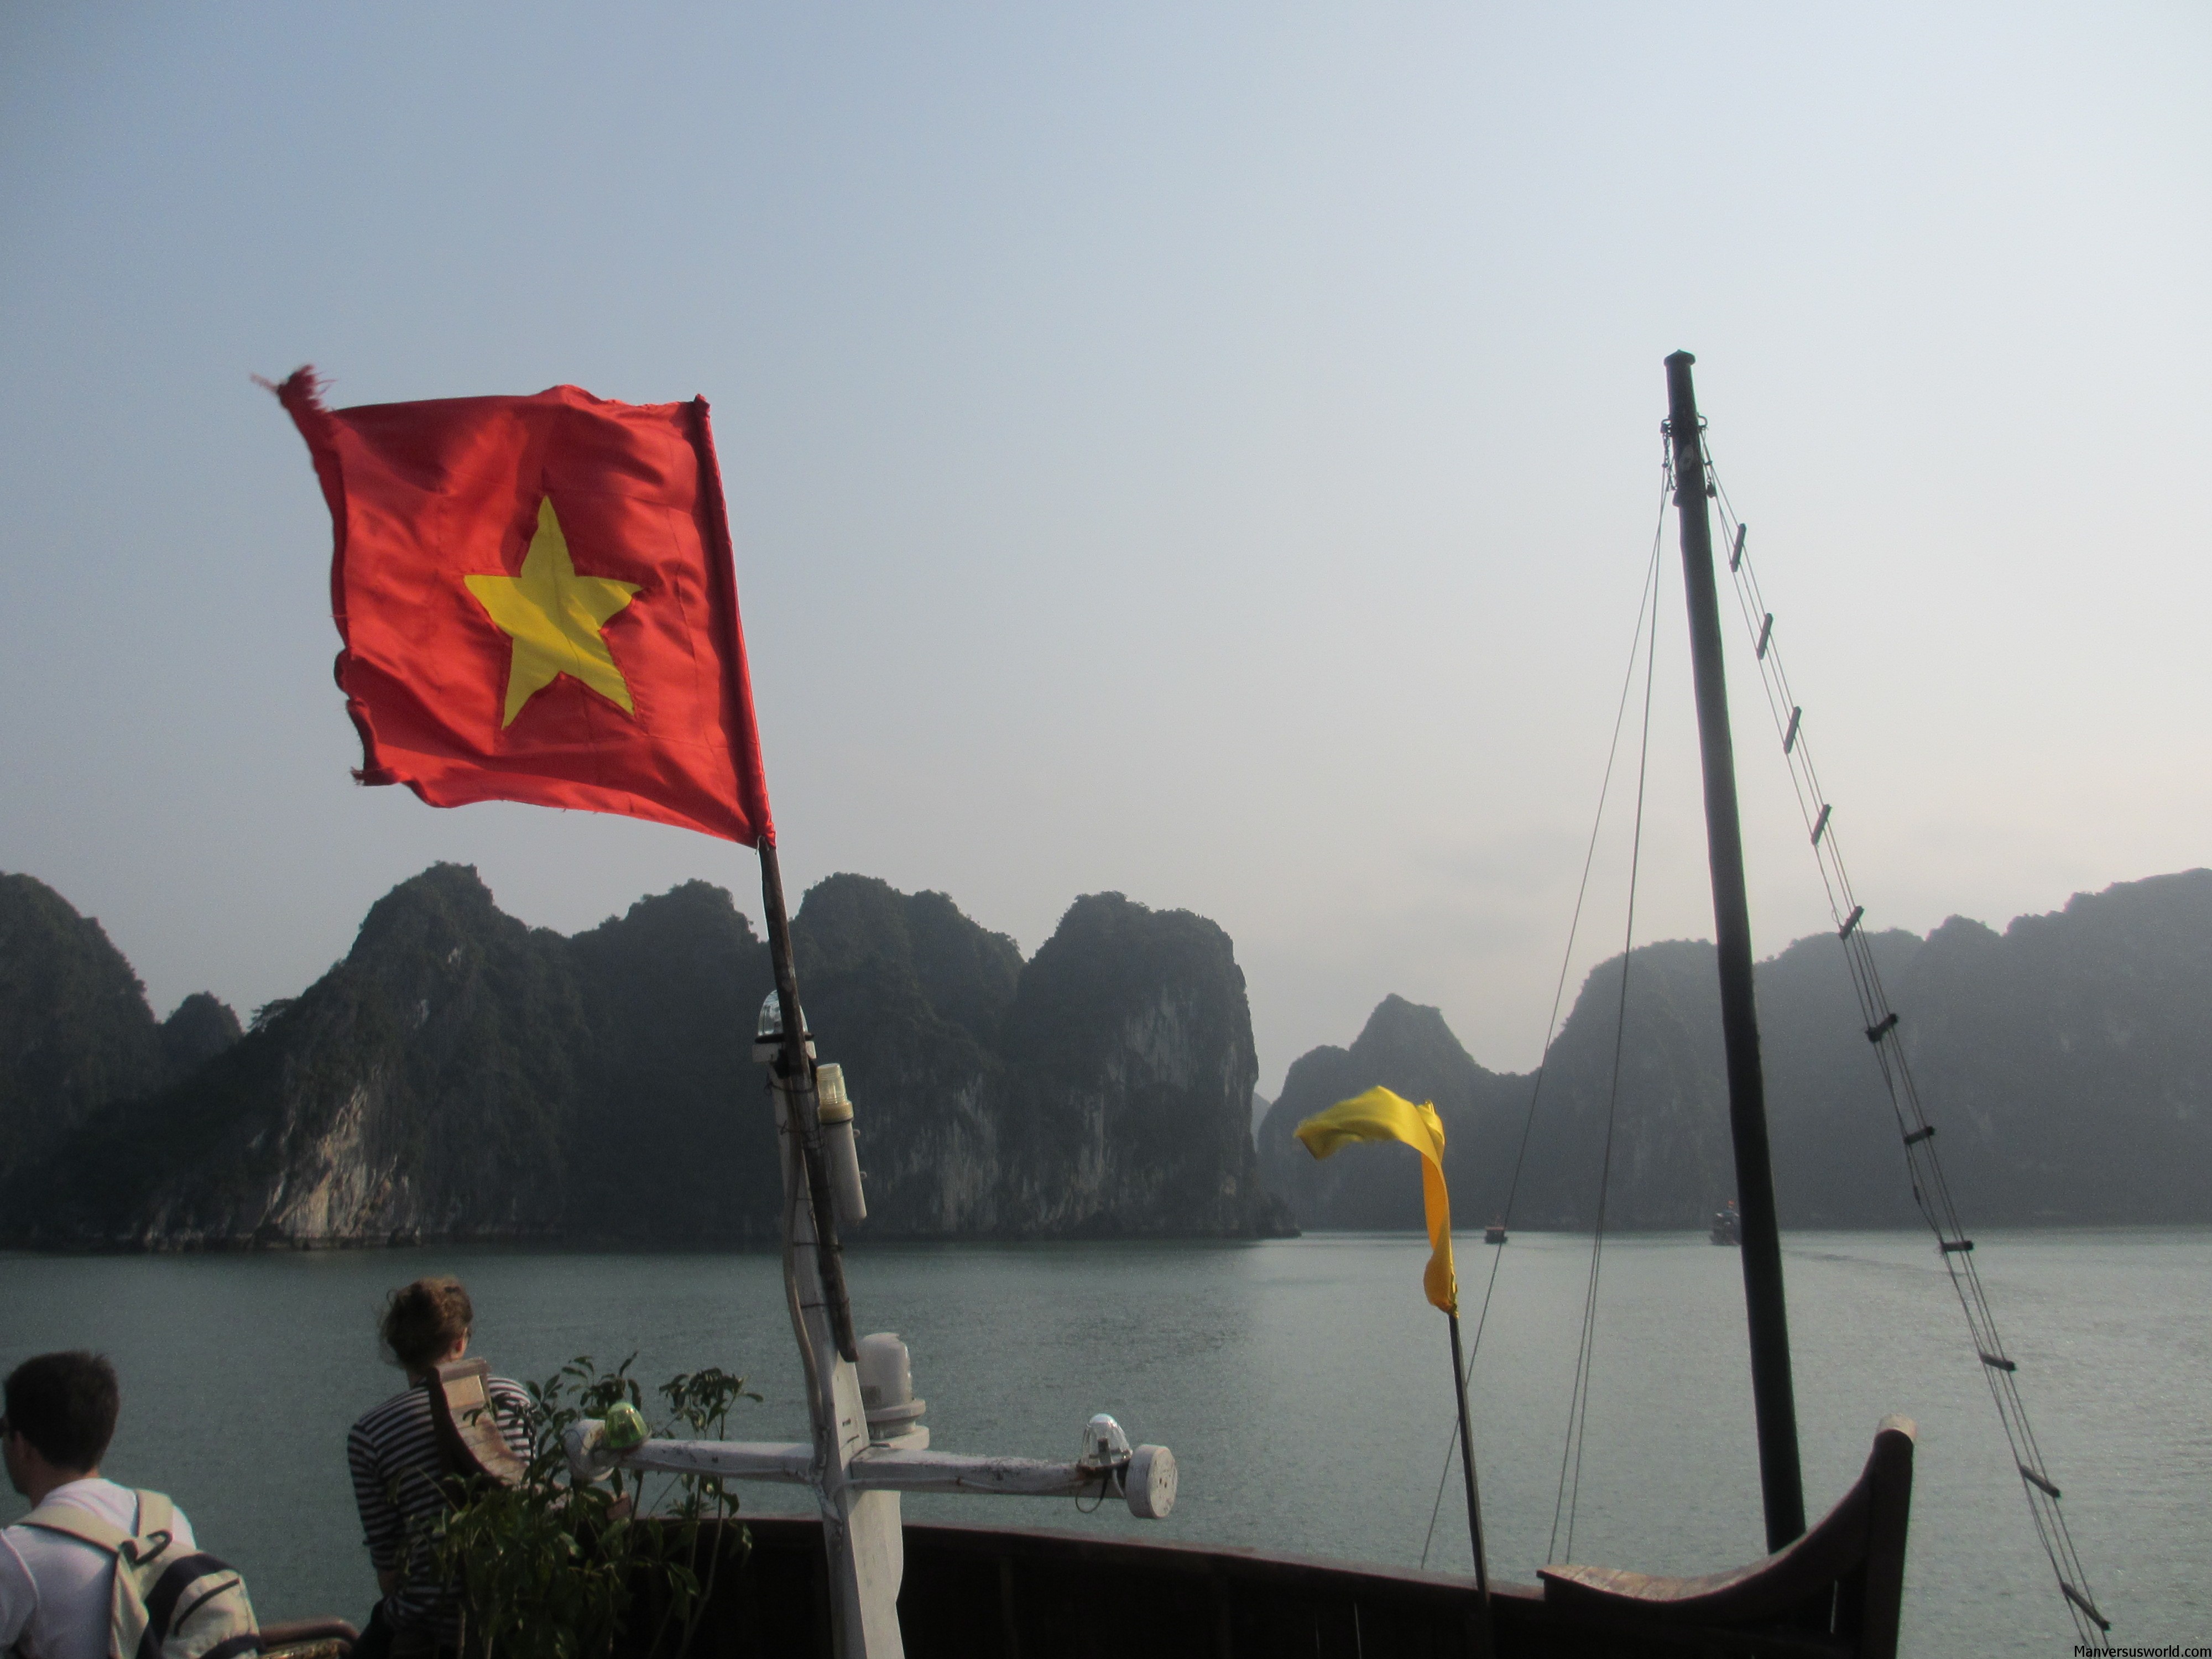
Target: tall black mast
[{"x": 1773, "y": 1398}]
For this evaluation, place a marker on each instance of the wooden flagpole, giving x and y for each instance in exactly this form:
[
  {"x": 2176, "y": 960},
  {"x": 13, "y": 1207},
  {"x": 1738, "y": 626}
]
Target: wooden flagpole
[{"x": 798, "y": 1075}]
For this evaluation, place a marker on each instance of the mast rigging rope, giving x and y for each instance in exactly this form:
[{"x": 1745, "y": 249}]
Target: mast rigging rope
[
  {"x": 1579, "y": 1399},
  {"x": 1647, "y": 610},
  {"x": 1931, "y": 1191}
]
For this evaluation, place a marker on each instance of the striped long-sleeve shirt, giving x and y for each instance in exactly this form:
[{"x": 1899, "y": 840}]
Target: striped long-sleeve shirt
[{"x": 393, "y": 1453}]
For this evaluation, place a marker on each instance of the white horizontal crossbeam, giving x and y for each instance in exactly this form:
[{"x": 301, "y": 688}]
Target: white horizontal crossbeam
[
  {"x": 877, "y": 1469},
  {"x": 1147, "y": 1480},
  {"x": 880, "y": 1469},
  {"x": 788, "y": 1461}
]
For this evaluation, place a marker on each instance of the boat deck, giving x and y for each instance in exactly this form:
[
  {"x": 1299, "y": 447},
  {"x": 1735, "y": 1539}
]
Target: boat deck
[{"x": 986, "y": 1592}]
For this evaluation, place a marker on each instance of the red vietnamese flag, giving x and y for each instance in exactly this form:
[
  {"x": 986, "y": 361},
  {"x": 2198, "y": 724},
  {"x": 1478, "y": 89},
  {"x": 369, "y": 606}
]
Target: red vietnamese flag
[{"x": 539, "y": 603}]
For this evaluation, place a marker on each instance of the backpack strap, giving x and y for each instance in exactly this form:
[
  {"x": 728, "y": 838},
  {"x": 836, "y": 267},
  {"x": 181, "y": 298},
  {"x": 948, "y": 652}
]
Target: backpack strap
[
  {"x": 157, "y": 1525},
  {"x": 157, "y": 1518},
  {"x": 80, "y": 1524}
]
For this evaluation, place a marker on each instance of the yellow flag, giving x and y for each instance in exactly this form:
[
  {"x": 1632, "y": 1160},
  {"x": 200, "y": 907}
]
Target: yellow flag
[{"x": 1378, "y": 1114}]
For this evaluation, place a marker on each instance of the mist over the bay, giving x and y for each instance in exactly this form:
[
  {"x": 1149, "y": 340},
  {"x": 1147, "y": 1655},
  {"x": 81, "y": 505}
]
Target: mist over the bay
[{"x": 1208, "y": 454}]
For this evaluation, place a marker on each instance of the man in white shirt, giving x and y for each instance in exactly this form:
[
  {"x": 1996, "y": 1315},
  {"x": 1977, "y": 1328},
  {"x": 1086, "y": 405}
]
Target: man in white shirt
[{"x": 55, "y": 1591}]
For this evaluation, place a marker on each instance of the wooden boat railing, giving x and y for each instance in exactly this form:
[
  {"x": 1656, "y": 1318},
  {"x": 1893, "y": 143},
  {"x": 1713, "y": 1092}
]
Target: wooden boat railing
[
  {"x": 309, "y": 1639},
  {"x": 983, "y": 1592}
]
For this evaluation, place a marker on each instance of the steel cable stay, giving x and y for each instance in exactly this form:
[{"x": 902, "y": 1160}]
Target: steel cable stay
[
  {"x": 1646, "y": 615},
  {"x": 1931, "y": 1190}
]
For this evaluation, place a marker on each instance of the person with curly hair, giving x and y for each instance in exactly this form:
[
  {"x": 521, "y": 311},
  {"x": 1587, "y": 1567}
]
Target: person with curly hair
[{"x": 399, "y": 1471}]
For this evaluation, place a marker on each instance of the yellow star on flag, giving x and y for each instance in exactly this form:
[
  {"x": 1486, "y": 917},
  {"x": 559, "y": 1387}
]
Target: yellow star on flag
[{"x": 555, "y": 616}]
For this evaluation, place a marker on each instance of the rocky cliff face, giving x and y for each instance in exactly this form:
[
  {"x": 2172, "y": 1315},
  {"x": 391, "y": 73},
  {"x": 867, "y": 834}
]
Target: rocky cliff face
[
  {"x": 1131, "y": 1069},
  {"x": 75, "y": 1029},
  {"x": 1408, "y": 1048},
  {"x": 461, "y": 1075},
  {"x": 2067, "y": 1063},
  {"x": 420, "y": 1087},
  {"x": 1099, "y": 1089},
  {"x": 671, "y": 1140},
  {"x": 909, "y": 996},
  {"x": 2070, "y": 1058}
]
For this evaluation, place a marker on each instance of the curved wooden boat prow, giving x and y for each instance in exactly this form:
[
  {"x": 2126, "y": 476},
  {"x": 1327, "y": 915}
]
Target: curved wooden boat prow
[
  {"x": 1835, "y": 1591},
  {"x": 984, "y": 1592}
]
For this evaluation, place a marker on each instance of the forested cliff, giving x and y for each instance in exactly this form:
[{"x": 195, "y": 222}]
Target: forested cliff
[
  {"x": 2066, "y": 1062},
  {"x": 75, "y": 1029},
  {"x": 461, "y": 1075}
]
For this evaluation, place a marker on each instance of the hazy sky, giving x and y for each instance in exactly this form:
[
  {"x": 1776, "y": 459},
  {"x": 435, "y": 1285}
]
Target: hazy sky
[{"x": 1202, "y": 451}]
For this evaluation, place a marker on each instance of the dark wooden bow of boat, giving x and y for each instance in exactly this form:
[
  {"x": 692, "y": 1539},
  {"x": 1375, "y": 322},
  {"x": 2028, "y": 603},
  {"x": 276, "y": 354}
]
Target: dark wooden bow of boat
[
  {"x": 983, "y": 1592},
  {"x": 1835, "y": 1590}
]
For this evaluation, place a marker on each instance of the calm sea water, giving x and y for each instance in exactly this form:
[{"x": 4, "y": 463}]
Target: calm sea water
[{"x": 1303, "y": 1384}]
